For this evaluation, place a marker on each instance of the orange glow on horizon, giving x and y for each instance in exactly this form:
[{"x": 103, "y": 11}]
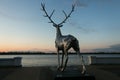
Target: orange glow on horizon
[{"x": 43, "y": 47}]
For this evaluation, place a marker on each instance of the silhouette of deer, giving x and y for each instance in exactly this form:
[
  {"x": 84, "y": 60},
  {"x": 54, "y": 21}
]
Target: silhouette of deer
[{"x": 64, "y": 42}]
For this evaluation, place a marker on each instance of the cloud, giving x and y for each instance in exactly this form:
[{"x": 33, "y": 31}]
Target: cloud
[
  {"x": 3, "y": 14},
  {"x": 17, "y": 18},
  {"x": 112, "y": 48},
  {"x": 79, "y": 3},
  {"x": 86, "y": 3},
  {"x": 83, "y": 29},
  {"x": 7, "y": 15}
]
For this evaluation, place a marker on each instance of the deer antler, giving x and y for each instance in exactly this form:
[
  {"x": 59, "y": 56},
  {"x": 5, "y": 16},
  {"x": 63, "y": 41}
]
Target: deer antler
[
  {"x": 67, "y": 16},
  {"x": 46, "y": 14}
]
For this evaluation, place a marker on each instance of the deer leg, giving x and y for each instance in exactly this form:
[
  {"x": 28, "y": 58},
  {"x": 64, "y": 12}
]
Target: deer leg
[
  {"x": 83, "y": 64},
  {"x": 66, "y": 60},
  {"x": 62, "y": 59},
  {"x": 58, "y": 60}
]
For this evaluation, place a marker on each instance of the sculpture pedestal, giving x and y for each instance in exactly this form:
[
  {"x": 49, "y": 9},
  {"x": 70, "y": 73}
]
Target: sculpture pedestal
[{"x": 72, "y": 74}]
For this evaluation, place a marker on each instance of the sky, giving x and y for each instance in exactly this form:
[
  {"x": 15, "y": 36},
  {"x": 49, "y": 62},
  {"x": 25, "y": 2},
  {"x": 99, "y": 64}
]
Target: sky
[{"x": 95, "y": 23}]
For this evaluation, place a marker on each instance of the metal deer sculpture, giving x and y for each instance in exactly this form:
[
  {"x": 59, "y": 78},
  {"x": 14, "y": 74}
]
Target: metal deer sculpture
[{"x": 64, "y": 42}]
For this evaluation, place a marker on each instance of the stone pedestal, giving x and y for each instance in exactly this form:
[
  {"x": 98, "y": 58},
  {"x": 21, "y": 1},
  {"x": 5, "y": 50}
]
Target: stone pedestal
[{"x": 73, "y": 74}]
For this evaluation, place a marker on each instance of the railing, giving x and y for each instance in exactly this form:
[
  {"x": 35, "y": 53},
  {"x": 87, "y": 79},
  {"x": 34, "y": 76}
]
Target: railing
[
  {"x": 16, "y": 61},
  {"x": 104, "y": 60}
]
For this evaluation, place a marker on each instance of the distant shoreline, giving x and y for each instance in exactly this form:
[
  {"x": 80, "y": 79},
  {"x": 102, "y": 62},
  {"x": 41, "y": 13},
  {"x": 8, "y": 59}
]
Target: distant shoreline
[{"x": 43, "y": 53}]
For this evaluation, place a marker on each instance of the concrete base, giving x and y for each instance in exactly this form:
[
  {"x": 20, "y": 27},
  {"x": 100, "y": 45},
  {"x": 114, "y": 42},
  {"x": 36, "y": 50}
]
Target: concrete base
[
  {"x": 73, "y": 75},
  {"x": 76, "y": 78},
  {"x": 104, "y": 60},
  {"x": 11, "y": 62}
]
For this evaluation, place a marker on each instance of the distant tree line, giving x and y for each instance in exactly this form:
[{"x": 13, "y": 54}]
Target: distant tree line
[{"x": 35, "y": 52}]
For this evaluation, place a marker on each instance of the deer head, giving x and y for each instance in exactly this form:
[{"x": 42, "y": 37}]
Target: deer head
[{"x": 49, "y": 16}]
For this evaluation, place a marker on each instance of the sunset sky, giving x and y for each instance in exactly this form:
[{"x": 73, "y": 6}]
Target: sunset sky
[{"x": 95, "y": 23}]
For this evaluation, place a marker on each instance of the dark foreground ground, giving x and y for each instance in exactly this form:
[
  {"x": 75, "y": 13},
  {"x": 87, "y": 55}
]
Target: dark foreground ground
[{"x": 101, "y": 72}]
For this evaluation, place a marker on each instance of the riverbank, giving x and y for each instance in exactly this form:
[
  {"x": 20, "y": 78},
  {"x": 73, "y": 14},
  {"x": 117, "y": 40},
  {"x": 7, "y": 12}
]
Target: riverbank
[{"x": 101, "y": 72}]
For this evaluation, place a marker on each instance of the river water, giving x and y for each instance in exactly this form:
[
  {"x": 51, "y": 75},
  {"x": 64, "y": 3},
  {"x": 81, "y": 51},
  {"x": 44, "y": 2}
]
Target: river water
[{"x": 51, "y": 60}]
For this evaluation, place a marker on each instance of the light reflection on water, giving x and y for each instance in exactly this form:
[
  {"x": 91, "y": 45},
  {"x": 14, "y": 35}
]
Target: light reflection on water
[{"x": 51, "y": 60}]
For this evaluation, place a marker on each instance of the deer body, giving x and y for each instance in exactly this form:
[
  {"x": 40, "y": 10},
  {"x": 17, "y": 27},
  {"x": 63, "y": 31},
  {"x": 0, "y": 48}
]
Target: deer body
[{"x": 64, "y": 42}]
